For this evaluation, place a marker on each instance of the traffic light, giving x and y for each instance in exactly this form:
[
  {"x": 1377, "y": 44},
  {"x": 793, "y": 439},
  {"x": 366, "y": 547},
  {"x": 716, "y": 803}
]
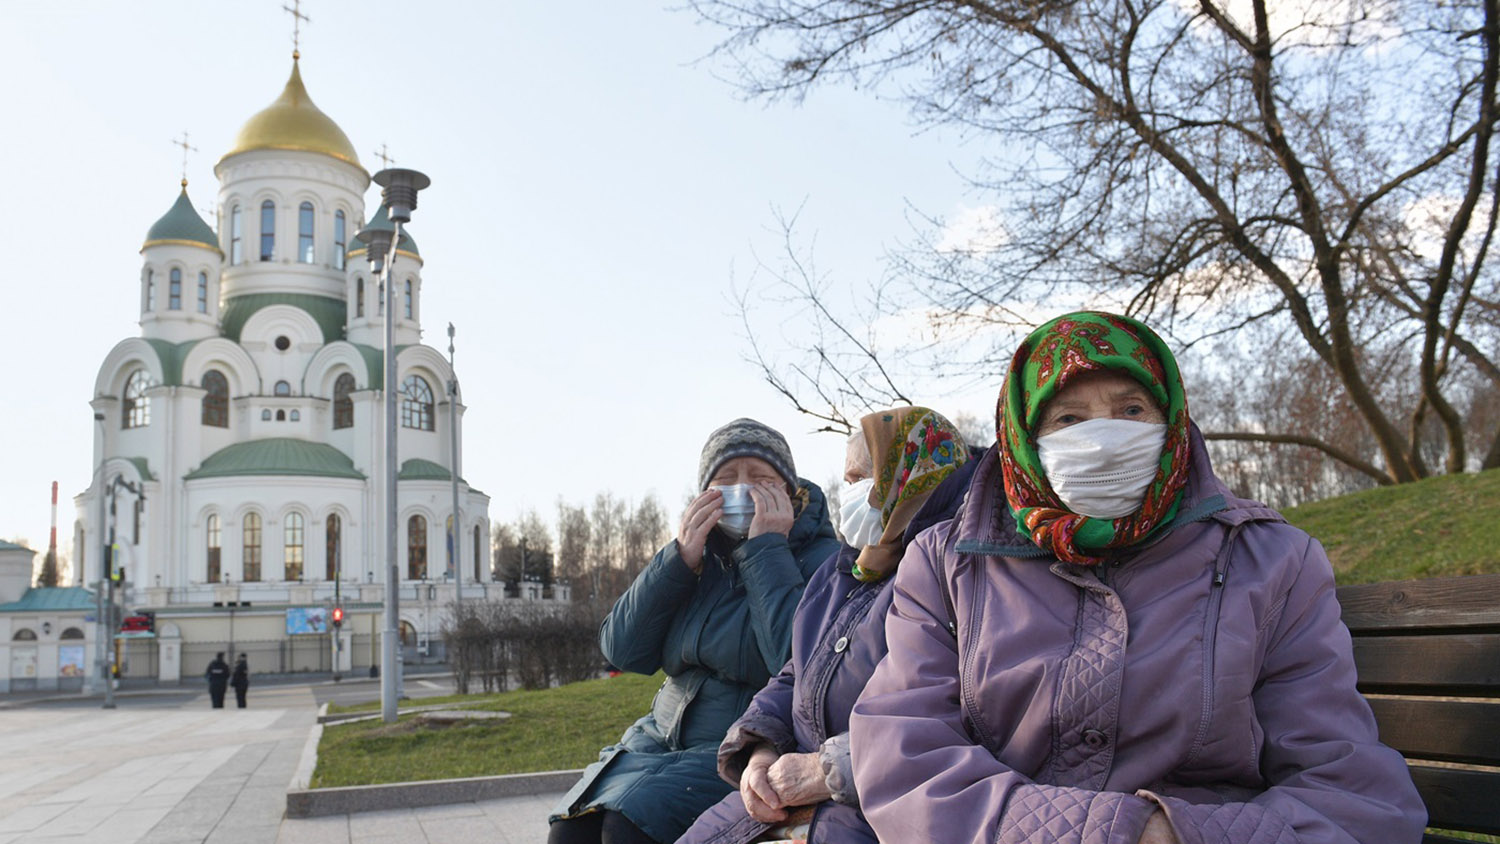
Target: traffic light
[{"x": 338, "y": 616}]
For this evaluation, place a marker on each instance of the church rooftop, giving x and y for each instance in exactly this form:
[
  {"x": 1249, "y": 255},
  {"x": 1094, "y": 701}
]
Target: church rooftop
[
  {"x": 277, "y": 456},
  {"x": 182, "y": 225},
  {"x": 292, "y": 122}
]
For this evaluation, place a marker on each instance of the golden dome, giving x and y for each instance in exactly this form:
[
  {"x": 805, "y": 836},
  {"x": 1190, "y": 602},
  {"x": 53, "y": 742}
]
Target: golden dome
[{"x": 293, "y": 122}]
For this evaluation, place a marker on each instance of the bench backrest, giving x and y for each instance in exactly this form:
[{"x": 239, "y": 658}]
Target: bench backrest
[{"x": 1428, "y": 654}]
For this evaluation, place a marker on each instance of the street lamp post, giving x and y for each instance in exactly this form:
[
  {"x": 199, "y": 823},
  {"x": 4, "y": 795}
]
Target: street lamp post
[
  {"x": 400, "y": 199},
  {"x": 456, "y": 539},
  {"x": 101, "y": 623}
]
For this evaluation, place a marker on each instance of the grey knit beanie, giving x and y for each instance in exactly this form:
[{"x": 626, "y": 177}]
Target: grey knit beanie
[{"x": 746, "y": 438}]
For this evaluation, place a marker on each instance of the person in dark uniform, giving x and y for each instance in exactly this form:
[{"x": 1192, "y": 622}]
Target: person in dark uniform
[
  {"x": 241, "y": 680},
  {"x": 218, "y": 679}
]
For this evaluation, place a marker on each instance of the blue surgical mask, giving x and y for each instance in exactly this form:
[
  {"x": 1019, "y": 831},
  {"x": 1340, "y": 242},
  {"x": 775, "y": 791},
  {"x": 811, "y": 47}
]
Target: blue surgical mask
[{"x": 739, "y": 509}]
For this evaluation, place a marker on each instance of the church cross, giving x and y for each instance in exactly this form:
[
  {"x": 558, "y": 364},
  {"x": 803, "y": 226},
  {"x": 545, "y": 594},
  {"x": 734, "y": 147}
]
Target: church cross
[
  {"x": 186, "y": 148},
  {"x": 385, "y": 157},
  {"x": 297, "y": 18}
]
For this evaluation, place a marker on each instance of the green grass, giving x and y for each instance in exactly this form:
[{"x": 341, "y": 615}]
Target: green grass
[
  {"x": 1438, "y": 527},
  {"x": 549, "y": 729}
]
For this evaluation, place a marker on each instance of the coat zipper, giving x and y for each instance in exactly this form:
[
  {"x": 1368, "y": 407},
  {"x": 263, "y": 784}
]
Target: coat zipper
[{"x": 1211, "y": 637}]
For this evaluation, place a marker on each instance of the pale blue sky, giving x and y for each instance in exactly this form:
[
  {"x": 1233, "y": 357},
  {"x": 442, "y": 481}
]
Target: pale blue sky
[{"x": 595, "y": 190}]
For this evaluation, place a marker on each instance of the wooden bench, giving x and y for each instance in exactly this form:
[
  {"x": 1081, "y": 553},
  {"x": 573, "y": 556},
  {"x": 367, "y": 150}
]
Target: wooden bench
[{"x": 1428, "y": 653}]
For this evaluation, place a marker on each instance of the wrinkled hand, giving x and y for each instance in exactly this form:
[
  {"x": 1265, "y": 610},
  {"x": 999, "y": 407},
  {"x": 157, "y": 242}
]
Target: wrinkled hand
[
  {"x": 761, "y": 800},
  {"x": 697, "y": 520},
  {"x": 798, "y": 780},
  {"x": 773, "y": 510},
  {"x": 1157, "y": 830}
]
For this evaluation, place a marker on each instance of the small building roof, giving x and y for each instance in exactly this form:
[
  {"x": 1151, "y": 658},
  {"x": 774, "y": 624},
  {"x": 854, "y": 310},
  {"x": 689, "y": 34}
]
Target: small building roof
[
  {"x": 417, "y": 469},
  {"x": 277, "y": 456},
  {"x": 52, "y": 599},
  {"x": 11, "y": 546}
]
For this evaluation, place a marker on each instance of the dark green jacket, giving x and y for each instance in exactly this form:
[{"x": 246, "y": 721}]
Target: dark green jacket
[{"x": 719, "y": 636}]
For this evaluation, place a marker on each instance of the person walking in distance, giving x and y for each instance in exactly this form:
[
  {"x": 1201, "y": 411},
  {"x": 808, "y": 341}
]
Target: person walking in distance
[
  {"x": 240, "y": 681},
  {"x": 218, "y": 678}
]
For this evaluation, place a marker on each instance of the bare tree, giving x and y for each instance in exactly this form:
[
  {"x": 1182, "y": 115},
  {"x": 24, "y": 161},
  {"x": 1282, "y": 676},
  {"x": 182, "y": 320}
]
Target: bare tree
[
  {"x": 1319, "y": 169},
  {"x": 573, "y": 531}
]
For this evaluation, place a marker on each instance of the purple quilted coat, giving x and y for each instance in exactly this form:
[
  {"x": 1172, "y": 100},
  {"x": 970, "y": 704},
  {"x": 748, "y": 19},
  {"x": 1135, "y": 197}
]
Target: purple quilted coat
[
  {"x": 838, "y": 637},
  {"x": 1207, "y": 675}
]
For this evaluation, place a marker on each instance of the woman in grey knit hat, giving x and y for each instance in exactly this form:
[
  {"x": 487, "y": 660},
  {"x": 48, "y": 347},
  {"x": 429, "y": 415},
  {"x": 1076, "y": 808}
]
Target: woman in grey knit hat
[{"x": 714, "y": 611}]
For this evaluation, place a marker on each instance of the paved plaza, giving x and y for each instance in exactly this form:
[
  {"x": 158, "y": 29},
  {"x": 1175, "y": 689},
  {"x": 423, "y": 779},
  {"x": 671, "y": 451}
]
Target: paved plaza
[{"x": 168, "y": 769}]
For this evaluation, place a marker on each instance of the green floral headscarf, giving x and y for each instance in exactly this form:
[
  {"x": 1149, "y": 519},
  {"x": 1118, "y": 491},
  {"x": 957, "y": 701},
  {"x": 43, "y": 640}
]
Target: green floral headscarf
[{"x": 1082, "y": 342}]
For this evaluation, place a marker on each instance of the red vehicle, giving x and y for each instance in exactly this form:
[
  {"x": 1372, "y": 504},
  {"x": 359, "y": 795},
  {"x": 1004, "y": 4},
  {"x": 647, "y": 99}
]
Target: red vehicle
[{"x": 138, "y": 624}]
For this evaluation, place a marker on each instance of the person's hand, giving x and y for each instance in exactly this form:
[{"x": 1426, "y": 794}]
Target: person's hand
[
  {"x": 697, "y": 520},
  {"x": 1157, "y": 830},
  {"x": 798, "y": 780},
  {"x": 773, "y": 510},
  {"x": 761, "y": 800}
]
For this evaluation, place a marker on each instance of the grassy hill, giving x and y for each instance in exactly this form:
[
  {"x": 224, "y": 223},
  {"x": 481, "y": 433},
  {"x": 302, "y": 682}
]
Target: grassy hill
[{"x": 1438, "y": 527}]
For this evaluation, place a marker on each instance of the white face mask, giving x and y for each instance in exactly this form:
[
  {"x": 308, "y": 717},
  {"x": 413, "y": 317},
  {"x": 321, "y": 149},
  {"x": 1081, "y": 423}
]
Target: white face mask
[
  {"x": 858, "y": 521},
  {"x": 1101, "y": 468},
  {"x": 739, "y": 509}
]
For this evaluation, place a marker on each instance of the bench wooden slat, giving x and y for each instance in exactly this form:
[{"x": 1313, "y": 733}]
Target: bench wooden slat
[
  {"x": 1463, "y": 664},
  {"x": 1467, "y": 732},
  {"x": 1459, "y": 799},
  {"x": 1416, "y": 604}
]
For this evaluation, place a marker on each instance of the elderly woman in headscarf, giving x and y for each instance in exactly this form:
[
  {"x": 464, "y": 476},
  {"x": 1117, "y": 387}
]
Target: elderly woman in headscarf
[
  {"x": 789, "y": 754},
  {"x": 1106, "y": 646},
  {"x": 714, "y": 611}
]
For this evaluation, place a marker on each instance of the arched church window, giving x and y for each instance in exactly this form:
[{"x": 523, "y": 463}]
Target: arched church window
[
  {"x": 281, "y": 416},
  {"x": 416, "y": 548},
  {"x": 334, "y": 555},
  {"x": 136, "y": 412},
  {"x": 236, "y": 236},
  {"x": 295, "y": 416},
  {"x": 267, "y": 230},
  {"x": 340, "y": 240},
  {"x": 359, "y": 297},
  {"x": 416, "y": 403},
  {"x": 212, "y": 543},
  {"x": 292, "y": 546},
  {"x": 202, "y": 293},
  {"x": 408, "y": 298},
  {"x": 343, "y": 401},
  {"x": 215, "y": 399},
  {"x": 25, "y": 634},
  {"x": 150, "y": 291},
  {"x": 174, "y": 290},
  {"x": 265, "y": 415},
  {"x": 251, "y": 570},
  {"x": 305, "y": 233},
  {"x": 478, "y": 554},
  {"x": 135, "y": 516},
  {"x": 71, "y": 633},
  {"x": 283, "y": 388}
]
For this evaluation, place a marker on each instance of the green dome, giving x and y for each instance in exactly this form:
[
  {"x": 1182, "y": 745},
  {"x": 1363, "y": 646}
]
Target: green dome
[
  {"x": 182, "y": 225},
  {"x": 277, "y": 456},
  {"x": 383, "y": 220}
]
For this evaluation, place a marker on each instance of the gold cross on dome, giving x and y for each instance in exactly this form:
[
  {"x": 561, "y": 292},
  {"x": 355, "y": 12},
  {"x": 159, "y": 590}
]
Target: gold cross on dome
[
  {"x": 385, "y": 157},
  {"x": 186, "y": 148},
  {"x": 297, "y": 18}
]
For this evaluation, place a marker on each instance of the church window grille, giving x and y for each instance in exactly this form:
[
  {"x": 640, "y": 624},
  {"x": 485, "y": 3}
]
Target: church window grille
[
  {"x": 252, "y": 548},
  {"x": 174, "y": 290},
  {"x": 295, "y": 416},
  {"x": 202, "y": 293},
  {"x": 150, "y": 290},
  {"x": 340, "y": 247},
  {"x": 478, "y": 554},
  {"x": 236, "y": 236},
  {"x": 215, "y": 399},
  {"x": 283, "y": 388},
  {"x": 265, "y": 415},
  {"x": 25, "y": 634},
  {"x": 343, "y": 401},
  {"x": 292, "y": 546},
  {"x": 71, "y": 633},
  {"x": 305, "y": 233},
  {"x": 416, "y": 403},
  {"x": 267, "y": 230},
  {"x": 416, "y": 548},
  {"x": 213, "y": 543},
  {"x": 359, "y": 297},
  {"x": 281, "y": 416},
  {"x": 334, "y": 556},
  {"x": 408, "y": 298},
  {"x": 137, "y": 407}
]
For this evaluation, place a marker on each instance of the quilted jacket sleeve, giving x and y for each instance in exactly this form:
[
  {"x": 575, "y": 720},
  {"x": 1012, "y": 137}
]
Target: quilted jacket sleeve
[
  {"x": 921, "y": 777},
  {"x": 1331, "y": 781},
  {"x": 768, "y": 719},
  {"x": 635, "y": 630}
]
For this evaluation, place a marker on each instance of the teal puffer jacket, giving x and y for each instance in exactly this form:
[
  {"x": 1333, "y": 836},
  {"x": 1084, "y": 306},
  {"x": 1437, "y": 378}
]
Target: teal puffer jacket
[{"x": 719, "y": 636}]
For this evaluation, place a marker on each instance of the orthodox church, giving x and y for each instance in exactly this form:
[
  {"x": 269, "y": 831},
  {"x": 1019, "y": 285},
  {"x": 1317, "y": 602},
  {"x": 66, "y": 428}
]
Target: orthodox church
[{"x": 238, "y": 442}]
